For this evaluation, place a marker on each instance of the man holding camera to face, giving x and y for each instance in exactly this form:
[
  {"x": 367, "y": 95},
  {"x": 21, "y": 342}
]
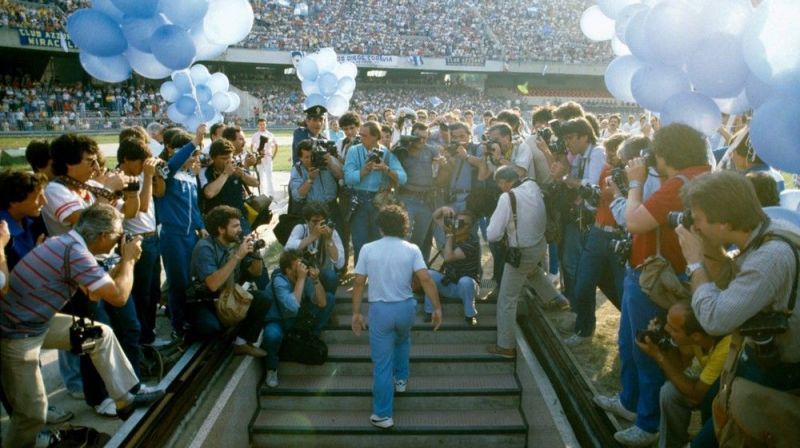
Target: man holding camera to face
[
  {"x": 316, "y": 177},
  {"x": 40, "y": 285},
  {"x": 223, "y": 182},
  {"x": 754, "y": 297},
  {"x": 218, "y": 261}
]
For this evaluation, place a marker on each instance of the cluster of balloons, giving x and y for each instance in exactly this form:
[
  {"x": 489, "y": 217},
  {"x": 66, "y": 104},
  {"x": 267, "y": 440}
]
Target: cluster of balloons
[
  {"x": 326, "y": 82},
  {"x": 155, "y": 37},
  {"x": 690, "y": 61},
  {"x": 198, "y": 96}
]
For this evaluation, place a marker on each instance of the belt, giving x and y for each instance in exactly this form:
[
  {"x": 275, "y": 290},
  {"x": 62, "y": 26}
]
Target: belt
[
  {"x": 610, "y": 229},
  {"x": 147, "y": 234}
]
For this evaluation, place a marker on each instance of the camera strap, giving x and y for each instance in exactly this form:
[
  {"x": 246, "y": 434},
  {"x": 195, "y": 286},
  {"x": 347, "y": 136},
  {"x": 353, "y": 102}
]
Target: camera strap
[
  {"x": 769, "y": 235},
  {"x": 513, "y": 199},
  {"x": 101, "y": 192}
]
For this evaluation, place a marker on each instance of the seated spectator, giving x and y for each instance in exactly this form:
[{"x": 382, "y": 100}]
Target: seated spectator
[
  {"x": 30, "y": 320},
  {"x": 295, "y": 287},
  {"x": 217, "y": 263},
  {"x": 321, "y": 246}
]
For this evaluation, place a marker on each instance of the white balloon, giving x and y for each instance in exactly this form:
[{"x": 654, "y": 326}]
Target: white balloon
[
  {"x": 221, "y": 101},
  {"x": 206, "y": 50},
  {"x": 218, "y": 83},
  {"x": 235, "y": 102},
  {"x": 347, "y": 69},
  {"x": 619, "y": 48},
  {"x": 228, "y": 21},
  {"x": 595, "y": 25},
  {"x": 735, "y": 105},
  {"x": 337, "y": 105},
  {"x": 611, "y": 8},
  {"x": 346, "y": 85},
  {"x": 726, "y": 16},
  {"x": 146, "y": 64},
  {"x": 326, "y": 60},
  {"x": 169, "y": 92},
  {"x": 771, "y": 44},
  {"x": 309, "y": 87}
]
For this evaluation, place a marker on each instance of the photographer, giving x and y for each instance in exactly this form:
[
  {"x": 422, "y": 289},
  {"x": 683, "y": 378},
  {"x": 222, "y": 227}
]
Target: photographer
[
  {"x": 316, "y": 177},
  {"x": 315, "y": 115},
  {"x": 520, "y": 220},
  {"x": 294, "y": 286},
  {"x": 404, "y": 125},
  {"x": 217, "y": 262},
  {"x": 30, "y": 321},
  {"x": 750, "y": 296},
  {"x": 350, "y": 124},
  {"x": 498, "y": 150},
  {"x": 322, "y": 249},
  {"x": 630, "y": 149},
  {"x": 673, "y": 346},
  {"x": 461, "y": 271},
  {"x": 264, "y": 144},
  {"x": 680, "y": 155},
  {"x": 369, "y": 168},
  {"x": 463, "y": 168},
  {"x": 223, "y": 182},
  {"x": 240, "y": 157}
]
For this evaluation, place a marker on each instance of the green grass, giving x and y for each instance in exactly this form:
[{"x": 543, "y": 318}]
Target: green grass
[{"x": 21, "y": 141}]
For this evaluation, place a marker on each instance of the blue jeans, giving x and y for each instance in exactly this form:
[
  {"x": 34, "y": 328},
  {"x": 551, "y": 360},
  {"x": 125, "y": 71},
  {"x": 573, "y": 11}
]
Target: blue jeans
[
  {"x": 146, "y": 292},
  {"x": 570, "y": 250},
  {"x": 596, "y": 264},
  {"x": 465, "y": 290},
  {"x": 420, "y": 217},
  {"x": 69, "y": 364},
  {"x": 553, "y": 251},
  {"x": 330, "y": 281},
  {"x": 271, "y": 342},
  {"x": 640, "y": 375},
  {"x": 363, "y": 224},
  {"x": 176, "y": 252},
  {"x": 390, "y": 348}
]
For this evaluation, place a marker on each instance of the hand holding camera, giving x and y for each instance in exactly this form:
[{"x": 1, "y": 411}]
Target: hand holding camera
[
  {"x": 636, "y": 170},
  {"x": 230, "y": 168},
  {"x": 130, "y": 248},
  {"x": 245, "y": 248}
]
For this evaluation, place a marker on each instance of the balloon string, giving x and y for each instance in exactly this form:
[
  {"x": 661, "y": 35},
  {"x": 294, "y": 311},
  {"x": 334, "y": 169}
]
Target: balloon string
[
  {"x": 197, "y": 110},
  {"x": 729, "y": 124}
]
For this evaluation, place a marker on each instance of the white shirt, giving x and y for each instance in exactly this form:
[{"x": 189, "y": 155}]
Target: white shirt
[
  {"x": 300, "y": 232},
  {"x": 389, "y": 277},
  {"x": 255, "y": 141},
  {"x": 143, "y": 222},
  {"x": 155, "y": 147},
  {"x": 528, "y": 230},
  {"x": 593, "y": 160},
  {"x": 61, "y": 204}
]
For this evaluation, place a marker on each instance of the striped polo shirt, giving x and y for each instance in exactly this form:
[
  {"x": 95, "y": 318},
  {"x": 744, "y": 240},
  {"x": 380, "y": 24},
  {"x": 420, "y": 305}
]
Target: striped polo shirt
[{"x": 38, "y": 288}]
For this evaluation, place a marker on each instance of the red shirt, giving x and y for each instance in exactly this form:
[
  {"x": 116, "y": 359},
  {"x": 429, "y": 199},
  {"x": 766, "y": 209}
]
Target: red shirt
[
  {"x": 666, "y": 199},
  {"x": 604, "y": 216}
]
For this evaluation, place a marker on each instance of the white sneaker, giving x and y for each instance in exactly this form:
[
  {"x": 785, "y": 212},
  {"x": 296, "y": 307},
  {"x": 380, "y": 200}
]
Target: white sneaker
[
  {"x": 381, "y": 422},
  {"x": 107, "y": 408},
  {"x": 400, "y": 385},
  {"x": 614, "y": 406},
  {"x": 635, "y": 436},
  {"x": 272, "y": 378},
  {"x": 576, "y": 340}
]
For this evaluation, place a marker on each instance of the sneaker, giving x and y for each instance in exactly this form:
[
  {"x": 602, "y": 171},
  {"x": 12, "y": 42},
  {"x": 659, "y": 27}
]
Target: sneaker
[
  {"x": 508, "y": 353},
  {"x": 400, "y": 385},
  {"x": 381, "y": 422},
  {"x": 107, "y": 408},
  {"x": 560, "y": 303},
  {"x": 614, "y": 406},
  {"x": 272, "y": 378},
  {"x": 147, "y": 395},
  {"x": 576, "y": 340},
  {"x": 250, "y": 350},
  {"x": 635, "y": 436},
  {"x": 56, "y": 415},
  {"x": 46, "y": 438},
  {"x": 492, "y": 295},
  {"x": 471, "y": 321}
]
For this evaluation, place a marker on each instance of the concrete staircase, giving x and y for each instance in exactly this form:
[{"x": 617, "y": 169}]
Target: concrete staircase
[{"x": 458, "y": 395}]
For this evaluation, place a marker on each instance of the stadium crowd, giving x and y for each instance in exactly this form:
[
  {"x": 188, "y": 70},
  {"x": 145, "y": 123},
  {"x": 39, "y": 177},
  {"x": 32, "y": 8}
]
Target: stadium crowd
[{"x": 508, "y": 30}]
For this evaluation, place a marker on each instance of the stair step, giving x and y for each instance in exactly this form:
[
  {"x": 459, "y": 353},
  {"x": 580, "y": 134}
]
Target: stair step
[
  {"x": 418, "y": 385},
  {"x": 390, "y": 439},
  {"x": 419, "y": 353},
  {"x": 364, "y": 367},
  {"x": 449, "y": 306},
  {"x": 402, "y": 402},
  {"x": 424, "y": 336},
  {"x": 451, "y": 321}
]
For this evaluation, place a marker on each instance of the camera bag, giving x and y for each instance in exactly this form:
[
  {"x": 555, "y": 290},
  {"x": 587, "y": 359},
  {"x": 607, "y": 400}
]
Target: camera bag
[
  {"x": 233, "y": 304},
  {"x": 659, "y": 281}
]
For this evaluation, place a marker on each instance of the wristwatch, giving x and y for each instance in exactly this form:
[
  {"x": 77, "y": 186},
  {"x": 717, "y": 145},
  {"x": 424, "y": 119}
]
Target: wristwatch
[{"x": 692, "y": 267}]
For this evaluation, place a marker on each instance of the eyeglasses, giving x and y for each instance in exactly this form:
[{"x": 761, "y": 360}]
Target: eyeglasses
[{"x": 92, "y": 162}]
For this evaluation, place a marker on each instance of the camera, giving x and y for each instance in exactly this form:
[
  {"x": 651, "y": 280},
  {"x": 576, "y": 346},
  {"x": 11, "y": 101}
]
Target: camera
[
  {"x": 262, "y": 141},
  {"x": 649, "y": 157},
  {"x": 658, "y": 336},
  {"x": 452, "y": 148},
  {"x": 761, "y": 329},
  {"x": 318, "y": 159},
  {"x": 621, "y": 247},
  {"x": 83, "y": 336},
  {"x": 590, "y": 193},
  {"x": 674, "y": 219},
  {"x": 545, "y": 134},
  {"x": 620, "y": 179},
  {"x": 132, "y": 185},
  {"x": 513, "y": 256},
  {"x": 375, "y": 156},
  {"x": 162, "y": 169},
  {"x": 489, "y": 145},
  {"x": 322, "y": 144},
  {"x": 310, "y": 259},
  {"x": 453, "y": 223},
  {"x": 400, "y": 149},
  {"x": 559, "y": 147},
  {"x": 258, "y": 245}
]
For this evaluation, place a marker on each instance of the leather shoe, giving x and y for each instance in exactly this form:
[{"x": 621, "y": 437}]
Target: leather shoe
[
  {"x": 472, "y": 321},
  {"x": 508, "y": 353},
  {"x": 250, "y": 350}
]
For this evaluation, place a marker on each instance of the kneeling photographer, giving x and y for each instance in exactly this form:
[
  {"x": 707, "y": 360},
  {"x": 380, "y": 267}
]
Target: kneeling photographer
[
  {"x": 460, "y": 273},
  {"x": 753, "y": 296},
  {"x": 322, "y": 248},
  {"x": 220, "y": 263},
  {"x": 674, "y": 344}
]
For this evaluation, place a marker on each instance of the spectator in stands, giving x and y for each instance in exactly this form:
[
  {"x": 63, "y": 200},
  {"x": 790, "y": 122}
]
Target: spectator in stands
[
  {"x": 311, "y": 129},
  {"x": 224, "y": 181},
  {"x": 680, "y": 154},
  {"x": 322, "y": 248},
  {"x": 26, "y": 329},
  {"x": 294, "y": 287},
  {"x": 681, "y": 394},
  {"x": 315, "y": 183},
  {"x": 369, "y": 167},
  {"x": 392, "y": 308},
  {"x": 266, "y": 153},
  {"x": 220, "y": 260}
]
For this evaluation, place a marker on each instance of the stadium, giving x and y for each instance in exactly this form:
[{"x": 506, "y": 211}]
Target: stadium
[{"x": 256, "y": 113}]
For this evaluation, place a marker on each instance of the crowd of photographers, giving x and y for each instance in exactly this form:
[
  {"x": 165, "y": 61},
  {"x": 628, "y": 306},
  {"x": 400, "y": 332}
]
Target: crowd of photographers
[{"x": 645, "y": 215}]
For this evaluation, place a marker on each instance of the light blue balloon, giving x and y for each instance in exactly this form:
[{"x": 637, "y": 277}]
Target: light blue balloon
[
  {"x": 206, "y": 50},
  {"x": 186, "y": 105},
  {"x": 618, "y": 77},
  {"x": 199, "y": 74},
  {"x": 347, "y": 85},
  {"x": 173, "y": 47},
  {"x": 653, "y": 85},
  {"x": 636, "y": 36},
  {"x": 314, "y": 99},
  {"x": 717, "y": 67},
  {"x": 109, "y": 69},
  {"x": 337, "y": 105},
  {"x": 308, "y": 70},
  {"x": 775, "y": 135},
  {"x": 136, "y": 8},
  {"x": 146, "y": 64},
  {"x": 203, "y": 94},
  {"x": 309, "y": 87},
  {"x": 624, "y": 17},
  {"x": 328, "y": 83},
  {"x": 784, "y": 214},
  {"x": 139, "y": 30},
  {"x": 208, "y": 111},
  {"x": 612, "y": 8},
  {"x": 182, "y": 81},
  {"x": 771, "y": 44},
  {"x": 193, "y": 121},
  {"x": 174, "y": 115},
  {"x": 758, "y": 92},
  {"x": 218, "y": 83},
  {"x": 184, "y": 12},
  {"x": 108, "y": 8},
  {"x": 169, "y": 92},
  {"x": 96, "y": 33},
  {"x": 734, "y": 105},
  {"x": 673, "y": 31},
  {"x": 221, "y": 101},
  {"x": 693, "y": 109}
]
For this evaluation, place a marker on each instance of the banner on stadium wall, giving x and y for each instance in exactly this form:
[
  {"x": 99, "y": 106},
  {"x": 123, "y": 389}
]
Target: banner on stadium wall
[
  {"x": 37, "y": 38},
  {"x": 471, "y": 61},
  {"x": 369, "y": 59}
]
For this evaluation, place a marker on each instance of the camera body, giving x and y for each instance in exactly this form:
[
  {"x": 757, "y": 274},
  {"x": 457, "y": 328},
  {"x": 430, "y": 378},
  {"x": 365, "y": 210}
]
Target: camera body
[
  {"x": 310, "y": 259},
  {"x": 262, "y": 141},
  {"x": 762, "y": 329},
  {"x": 83, "y": 336},
  {"x": 400, "y": 149},
  {"x": 162, "y": 169},
  {"x": 590, "y": 193},
  {"x": 649, "y": 157},
  {"x": 489, "y": 145},
  {"x": 620, "y": 179},
  {"x": 559, "y": 147},
  {"x": 324, "y": 145},
  {"x": 318, "y": 159},
  {"x": 684, "y": 218},
  {"x": 658, "y": 336},
  {"x": 376, "y": 156},
  {"x": 453, "y": 223},
  {"x": 621, "y": 247},
  {"x": 132, "y": 185}
]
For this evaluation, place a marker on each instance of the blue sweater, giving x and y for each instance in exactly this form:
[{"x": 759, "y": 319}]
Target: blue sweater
[{"x": 178, "y": 211}]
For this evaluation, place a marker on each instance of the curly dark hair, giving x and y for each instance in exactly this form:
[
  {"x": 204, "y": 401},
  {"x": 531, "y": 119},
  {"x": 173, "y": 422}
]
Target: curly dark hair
[
  {"x": 219, "y": 217},
  {"x": 17, "y": 185},
  {"x": 68, "y": 149},
  {"x": 315, "y": 208},
  {"x": 393, "y": 221}
]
